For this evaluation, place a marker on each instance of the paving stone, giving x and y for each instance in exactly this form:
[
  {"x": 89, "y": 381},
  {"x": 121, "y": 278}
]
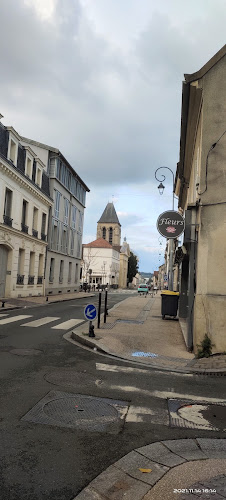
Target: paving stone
[
  {"x": 115, "y": 484},
  {"x": 89, "y": 494},
  {"x": 186, "y": 448},
  {"x": 133, "y": 461},
  {"x": 213, "y": 448},
  {"x": 160, "y": 454}
]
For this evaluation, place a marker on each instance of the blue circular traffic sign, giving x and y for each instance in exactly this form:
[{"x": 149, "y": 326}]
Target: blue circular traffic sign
[{"x": 90, "y": 312}]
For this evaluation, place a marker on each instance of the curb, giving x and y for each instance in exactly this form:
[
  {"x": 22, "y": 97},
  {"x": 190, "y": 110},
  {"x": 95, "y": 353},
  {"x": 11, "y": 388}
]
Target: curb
[
  {"x": 44, "y": 303},
  {"x": 156, "y": 459}
]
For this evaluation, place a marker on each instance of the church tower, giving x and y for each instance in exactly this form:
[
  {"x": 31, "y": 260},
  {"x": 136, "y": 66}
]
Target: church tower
[{"x": 109, "y": 227}]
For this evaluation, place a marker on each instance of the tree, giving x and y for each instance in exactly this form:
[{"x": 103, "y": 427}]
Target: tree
[{"x": 132, "y": 267}]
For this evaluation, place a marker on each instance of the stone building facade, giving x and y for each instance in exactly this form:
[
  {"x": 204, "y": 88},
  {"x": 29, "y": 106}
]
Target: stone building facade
[
  {"x": 24, "y": 210},
  {"x": 200, "y": 185},
  {"x": 66, "y": 220}
]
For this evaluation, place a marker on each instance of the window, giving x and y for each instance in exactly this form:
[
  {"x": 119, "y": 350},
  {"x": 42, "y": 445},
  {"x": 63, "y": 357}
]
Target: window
[
  {"x": 64, "y": 240},
  {"x": 72, "y": 242},
  {"x": 51, "y": 270},
  {"x": 35, "y": 218},
  {"x": 38, "y": 176},
  {"x": 79, "y": 246},
  {"x": 31, "y": 269},
  {"x": 76, "y": 273},
  {"x": 43, "y": 228},
  {"x": 73, "y": 217},
  {"x": 69, "y": 272},
  {"x": 66, "y": 210},
  {"x": 61, "y": 271},
  {"x": 35, "y": 222},
  {"x": 55, "y": 235},
  {"x": 104, "y": 233},
  {"x": 13, "y": 148},
  {"x": 8, "y": 207},
  {"x": 80, "y": 222},
  {"x": 28, "y": 167},
  {"x": 57, "y": 204},
  {"x": 20, "y": 275},
  {"x": 24, "y": 227},
  {"x": 110, "y": 235}
]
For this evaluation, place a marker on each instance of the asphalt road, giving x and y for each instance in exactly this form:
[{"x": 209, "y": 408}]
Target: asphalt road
[{"x": 44, "y": 462}]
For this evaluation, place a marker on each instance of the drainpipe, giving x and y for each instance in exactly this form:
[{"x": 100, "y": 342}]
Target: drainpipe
[{"x": 191, "y": 280}]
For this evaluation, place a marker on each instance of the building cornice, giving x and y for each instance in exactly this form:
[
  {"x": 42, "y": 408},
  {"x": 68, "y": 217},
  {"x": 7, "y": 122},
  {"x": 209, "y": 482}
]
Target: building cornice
[{"x": 24, "y": 181}]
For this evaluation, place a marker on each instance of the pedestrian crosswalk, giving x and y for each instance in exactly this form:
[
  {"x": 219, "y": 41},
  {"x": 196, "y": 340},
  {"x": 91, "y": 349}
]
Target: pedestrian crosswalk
[{"x": 36, "y": 323}]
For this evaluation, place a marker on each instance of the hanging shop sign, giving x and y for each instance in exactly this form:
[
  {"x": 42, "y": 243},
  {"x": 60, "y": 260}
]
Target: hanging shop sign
[{"x": 170, "y": 224}]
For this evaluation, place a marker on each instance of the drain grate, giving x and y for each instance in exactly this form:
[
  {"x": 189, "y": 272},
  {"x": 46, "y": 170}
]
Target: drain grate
[
  {"x": 197, "y": 414},
  {"x": 79, "y": 412},
  {"x": 132, "y": 321}
]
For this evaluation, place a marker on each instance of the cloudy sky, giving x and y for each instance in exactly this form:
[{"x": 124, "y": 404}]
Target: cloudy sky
[{"x": 101, "y": 80}]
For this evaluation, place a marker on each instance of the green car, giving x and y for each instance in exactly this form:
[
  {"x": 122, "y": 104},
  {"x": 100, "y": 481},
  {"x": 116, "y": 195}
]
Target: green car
[{"x": 143, "y": 288}]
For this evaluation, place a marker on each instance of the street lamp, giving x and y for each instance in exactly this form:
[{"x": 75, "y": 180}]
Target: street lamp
[{"x": 161, "y": 188}]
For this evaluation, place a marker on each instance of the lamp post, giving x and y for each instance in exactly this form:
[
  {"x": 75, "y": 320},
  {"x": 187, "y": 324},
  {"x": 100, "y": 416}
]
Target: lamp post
[{"x": 161, "y": 188}]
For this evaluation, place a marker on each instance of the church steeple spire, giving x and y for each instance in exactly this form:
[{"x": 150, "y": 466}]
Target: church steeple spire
[{"x": 108, "y": 226}]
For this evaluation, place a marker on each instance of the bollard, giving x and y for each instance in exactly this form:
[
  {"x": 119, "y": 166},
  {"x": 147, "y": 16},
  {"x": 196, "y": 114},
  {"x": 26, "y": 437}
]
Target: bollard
[
  {"x": 3, "y": 303},
  {"x": 91, "y": 330},
  {"x": 105, "y": 305},
  {"x": 99, "y": 310},
  {"x": 47, "y": 299}
]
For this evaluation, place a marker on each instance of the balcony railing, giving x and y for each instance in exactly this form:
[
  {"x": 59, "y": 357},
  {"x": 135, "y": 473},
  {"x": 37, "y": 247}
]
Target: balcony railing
[
  {"x": 24, "y": 228},
  {"x": 7, "y": 220},
  {"x": 39, "y": 281},
  {"x": 20, "y": 279},
  {"x": 35, "y": 233},
  {"x": 43, "y": 236},
  {"x": 31, "y": 280}
]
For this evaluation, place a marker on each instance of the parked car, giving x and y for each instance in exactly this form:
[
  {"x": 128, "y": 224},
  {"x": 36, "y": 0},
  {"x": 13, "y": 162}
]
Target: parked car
[{"x": 142, "y": 288}]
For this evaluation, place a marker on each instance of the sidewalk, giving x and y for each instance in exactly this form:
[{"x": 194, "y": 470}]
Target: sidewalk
[
  {"x": 181, "y": 469},
  {"x": 184, "y": 468},
  {"x": 18, "y": 303},
  {"x": 136, "y": 331}
]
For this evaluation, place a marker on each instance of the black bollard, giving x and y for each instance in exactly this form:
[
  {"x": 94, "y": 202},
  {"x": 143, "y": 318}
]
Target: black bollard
[
  {"x": 47, "y": 299},
  {"x": 91, "y": 330},
  {"x": 3, "y": 303},
  {"x": 99, "y": 310},
  {"x": 105, "y": 305}
]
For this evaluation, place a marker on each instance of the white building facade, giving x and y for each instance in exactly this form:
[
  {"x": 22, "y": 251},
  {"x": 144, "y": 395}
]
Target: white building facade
[
  {"x": 66, "y": 220},
  {"x": 24, "y": 210},
  {"x": 100, "y": 263}
]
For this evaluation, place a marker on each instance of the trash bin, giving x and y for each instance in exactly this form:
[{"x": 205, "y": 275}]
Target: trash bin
[{"x": 169, "y": 303}]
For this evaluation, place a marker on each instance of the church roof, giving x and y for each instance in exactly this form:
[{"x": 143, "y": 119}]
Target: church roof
[
  {"x": 109, "y": 215},
  {"x": 99, "y": 243}
]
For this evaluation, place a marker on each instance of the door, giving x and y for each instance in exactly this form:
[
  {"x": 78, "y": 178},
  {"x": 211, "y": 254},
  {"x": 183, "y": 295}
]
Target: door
[{"x": 3, "y": 268}]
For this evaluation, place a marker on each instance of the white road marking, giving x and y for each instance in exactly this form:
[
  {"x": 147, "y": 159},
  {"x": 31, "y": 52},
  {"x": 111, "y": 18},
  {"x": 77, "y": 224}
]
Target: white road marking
[
  {"x": 121, "y": 369},
  {"x": 15, "y": 318},
  {"x": 166, "y": 395},
  {"x": 127, "y": 369},
  {"x": 67, "y": 324},
  {"x": 1, "y": 315},
  {"x": 39, "y": 322}
]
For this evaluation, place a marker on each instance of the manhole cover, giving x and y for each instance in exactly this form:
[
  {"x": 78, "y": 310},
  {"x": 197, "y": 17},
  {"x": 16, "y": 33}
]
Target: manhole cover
[
  {"x": 26, "y": 352},
  {"x": 197, "y": 415},
  {"x": 80, "y": 412},
  {"x": 70, "y": 378}
]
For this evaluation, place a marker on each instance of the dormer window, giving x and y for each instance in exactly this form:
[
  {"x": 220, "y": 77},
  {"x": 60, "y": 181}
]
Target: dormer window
[
  {"x": 29, "y": 167},
  {"x": 39, "y": 168},
  {"x": 13, "y": 145},
  {"x": 38, "y": 179}
]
